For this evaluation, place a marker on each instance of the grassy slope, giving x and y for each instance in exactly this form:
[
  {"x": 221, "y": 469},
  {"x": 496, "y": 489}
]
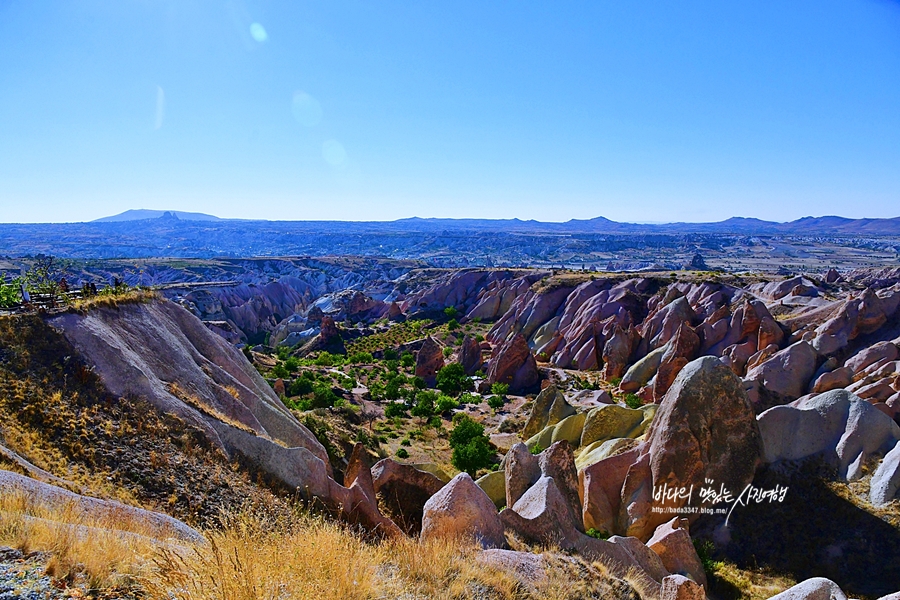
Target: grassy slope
[{"x": 55, "y": 412}]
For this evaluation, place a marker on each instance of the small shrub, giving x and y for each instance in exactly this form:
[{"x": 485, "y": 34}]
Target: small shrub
[
  {"x": 445, "y": 404},
  {"x": 500, "y": 389},
  {"x": 360, "y": 358},
  {"x": 407, "y": 359},
  {"x": 280, "y": 371},
  {"x": 633, "y": 401},
  {"x": 326, "y": 359},
  {"x": 292, "y": 364},
  {"x": 595, "y": 533},
  {"x": 496, "y": 402},
  {"x": 451, "y": 312},
  {"x": 402, "y": 453},
  {"x": 452, "y": 325},
  {"x": 447, "y": 351},
  {"x": 705, "y": 549},
  {"x": 405, "y": 442},
  {"x": 467, "y": 398},
  {"x": 391, "y": 354},
  {"x": 536, "y": 448}
]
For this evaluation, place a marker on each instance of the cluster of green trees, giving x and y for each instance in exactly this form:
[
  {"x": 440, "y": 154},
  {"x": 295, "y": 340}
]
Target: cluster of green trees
[{"x": 396, "y": 335}]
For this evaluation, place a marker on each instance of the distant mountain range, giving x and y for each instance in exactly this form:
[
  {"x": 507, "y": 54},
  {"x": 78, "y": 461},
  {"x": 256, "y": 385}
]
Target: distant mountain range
[
  {"x": 828, "y": 225},
  {"x": 439, "y": 242},
  {"x": 140, "y": 214}
]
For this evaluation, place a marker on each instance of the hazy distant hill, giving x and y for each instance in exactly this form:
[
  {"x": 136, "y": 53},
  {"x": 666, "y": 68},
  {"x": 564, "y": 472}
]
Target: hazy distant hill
[
  {"x": 142, "y": 213},
  {"x": 442, "y": 242}
]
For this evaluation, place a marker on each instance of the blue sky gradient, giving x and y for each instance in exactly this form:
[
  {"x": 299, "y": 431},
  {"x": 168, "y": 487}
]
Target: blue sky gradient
[{"x": 636, "y": 111}]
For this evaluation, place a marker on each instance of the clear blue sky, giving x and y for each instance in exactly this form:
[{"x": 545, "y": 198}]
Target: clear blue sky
[{"x": 637, "y": 111}]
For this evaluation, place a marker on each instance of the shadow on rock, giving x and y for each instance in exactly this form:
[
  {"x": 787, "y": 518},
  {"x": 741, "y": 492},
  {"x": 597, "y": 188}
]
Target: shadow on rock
[{"x": 816, "y": 533}]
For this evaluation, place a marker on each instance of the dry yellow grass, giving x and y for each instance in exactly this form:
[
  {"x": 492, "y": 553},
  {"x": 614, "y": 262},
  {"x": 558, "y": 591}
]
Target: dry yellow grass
[
  {"x": 113, "y": 299},
  {"x": 283, "y": 553},
  {"x": 192, "y": 400},
  {"x": 107, "y": 557},
  {"x": 253, "y": 557}
]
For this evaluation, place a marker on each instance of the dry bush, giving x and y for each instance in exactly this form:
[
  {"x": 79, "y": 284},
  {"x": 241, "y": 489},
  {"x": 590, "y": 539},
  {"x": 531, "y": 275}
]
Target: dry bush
[
  {"x": 113, "y": 299},
  {"x": 256, "y": 557},
  {"x": 78, "y": 544}
]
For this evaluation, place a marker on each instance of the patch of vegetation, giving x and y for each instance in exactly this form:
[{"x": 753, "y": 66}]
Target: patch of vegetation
[
  {"x": 362, "y": 358},
  {"x": 452, "y": 379},
  {"x": 600, "y": 535},
  {"x": 9, "y": 293},
  {"x": 425, "y": 404},
  {"x": 472, "y": 449},
  {"x": 58, "y": 415},
  {"x": 445, "y": 404},
  {"x": 395, "y": 409},
  {"x": 396, "y": 335},
  {"x": 496, "y": 402},
  {"x": 500, "y": 389},
  {"x": 633, "y": 401}
]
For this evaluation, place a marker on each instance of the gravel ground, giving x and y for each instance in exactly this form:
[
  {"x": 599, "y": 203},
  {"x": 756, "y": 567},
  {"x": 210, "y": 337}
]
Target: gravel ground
[{"x": 22, "y": 577}]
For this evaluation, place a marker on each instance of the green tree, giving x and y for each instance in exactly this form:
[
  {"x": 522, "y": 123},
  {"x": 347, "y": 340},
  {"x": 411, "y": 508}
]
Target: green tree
[
  {"x": 452, "y": 379},
  {"x": 9, "y": 293},
  {"x": 451, "y": 312},
  {"x": 323, "y": 396},
  {"x": 394, "y": 409},
  {"x": 326, "y": 359},
  {"x": 471, "y": 447},
  {"x": 42, "y": 277},
  {"x": 424, "y": 406},
  {"x": 301, "y": 386},
  {"x": 358, "y": 358}
]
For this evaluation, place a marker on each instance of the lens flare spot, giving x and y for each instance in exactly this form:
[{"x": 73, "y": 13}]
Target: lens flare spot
[
  {"x": 306, "y": 109},
  {"x": 258, "y": 33},
  {"x": 333, "y": 152}
]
